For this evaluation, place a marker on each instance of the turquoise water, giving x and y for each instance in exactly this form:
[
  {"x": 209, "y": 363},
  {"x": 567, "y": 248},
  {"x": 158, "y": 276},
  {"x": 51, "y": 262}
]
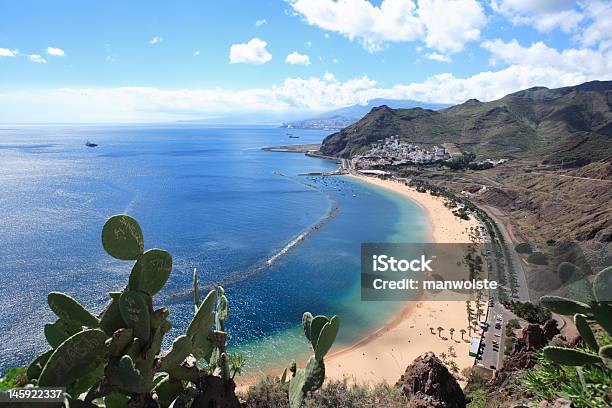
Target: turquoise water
[{"x": 211, "y": 197}]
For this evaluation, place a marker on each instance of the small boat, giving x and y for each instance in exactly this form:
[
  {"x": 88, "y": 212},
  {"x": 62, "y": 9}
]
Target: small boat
[
  {"x": 293, "y": 137},
  {"x": 89, "y": 144}
]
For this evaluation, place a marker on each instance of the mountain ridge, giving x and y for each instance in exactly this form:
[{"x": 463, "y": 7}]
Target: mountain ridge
[
  {"x": 342, "y": 117},
  {"x": 570, "y": 125}
]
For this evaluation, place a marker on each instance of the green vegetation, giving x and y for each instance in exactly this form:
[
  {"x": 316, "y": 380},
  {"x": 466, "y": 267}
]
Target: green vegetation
[
  {"x": 512, "y": 325},
  {"x": 567, "y": 271},
  {"x": 507, "y": 127},
  {"x": 333, "y": 394},
  {"x": 598, "y": 311},
  {"x": 523, "y": 248},
  {"x": 528, "y": 311},
  {"x": 537, "y": 258},
  {"x": 115, "y": 360},
  {"x": 585, "y": 387},
  {"x": 15, "y": 377},
  {"x": 581, "y": 375}
]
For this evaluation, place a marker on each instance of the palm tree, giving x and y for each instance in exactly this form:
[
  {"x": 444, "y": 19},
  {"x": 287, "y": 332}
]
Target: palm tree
[
  {"x": 462, "y": 333},
  {"x": 451, "y": 330},
  {"x": 454, "y": 367},
  {"x": 440, "y": 330},
  {"x": 443, "y": 357}
]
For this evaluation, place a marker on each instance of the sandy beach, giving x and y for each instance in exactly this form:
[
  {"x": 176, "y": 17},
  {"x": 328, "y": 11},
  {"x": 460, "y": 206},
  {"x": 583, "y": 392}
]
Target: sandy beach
[{"x": 384, "y": 354}]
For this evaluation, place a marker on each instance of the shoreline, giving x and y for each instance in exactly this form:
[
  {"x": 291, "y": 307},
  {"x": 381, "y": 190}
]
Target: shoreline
[{"x": 384, "y": 353}]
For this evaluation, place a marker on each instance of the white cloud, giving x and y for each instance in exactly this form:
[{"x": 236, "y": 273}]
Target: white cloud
[
  {"x": 5, "y": 52},
  {"x": 450, "y": 24},
  {"x": 253, "y": 52},
  {"x": 196, "y": 53},
  {"x": 329, "y": 76},
  {"x": 261, "y": 22},
  {"x": 543, "y": 15},
  {"x": 446, "y": 25},
  {"x": 434, "y": 56},
  {"x": 335, "y": 60},
  {"x": 297, "y": 58},
  {"x": 55, "y": 52},
  {"x": 155, "y": 40},
  {"x": 576, "y": 62},
  {"x": 599, "y": 32},
  {"x": 37, "y": 59},
  {"x": 525, "y": 67}
]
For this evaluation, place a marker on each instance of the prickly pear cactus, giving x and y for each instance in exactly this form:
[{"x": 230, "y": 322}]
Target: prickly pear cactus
[
  {"x": 321, "y": 332},
  {"x": 598, "y": 310}
]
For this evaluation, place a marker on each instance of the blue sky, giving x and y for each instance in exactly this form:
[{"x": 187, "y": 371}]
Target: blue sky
[{"x": 123, "y": 61}]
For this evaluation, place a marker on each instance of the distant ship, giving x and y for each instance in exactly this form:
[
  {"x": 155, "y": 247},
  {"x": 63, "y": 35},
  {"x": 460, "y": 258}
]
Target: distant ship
[
  {"x": 292, "y": 137},
  {"x": 89, "y": 144}
]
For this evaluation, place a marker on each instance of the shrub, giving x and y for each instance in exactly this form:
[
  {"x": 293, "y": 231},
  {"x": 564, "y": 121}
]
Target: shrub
[
  {"x": 567, "y": 271},
  {"x": 523, "y": 248},
  {"x": 537, "y": 258},
  {"x": 528, "y": 311},
  {"x": 270, "y": 393}
]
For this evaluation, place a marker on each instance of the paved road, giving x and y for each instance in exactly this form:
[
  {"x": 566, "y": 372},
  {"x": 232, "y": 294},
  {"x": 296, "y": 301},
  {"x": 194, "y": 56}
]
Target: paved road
[
  {"x": 491, "y": 358},
  {"x": 517, "y": 262}
]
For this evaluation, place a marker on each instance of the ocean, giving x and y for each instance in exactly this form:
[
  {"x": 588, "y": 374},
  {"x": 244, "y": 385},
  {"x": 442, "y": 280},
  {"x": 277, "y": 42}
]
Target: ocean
[{"x": 217, "y": 202}]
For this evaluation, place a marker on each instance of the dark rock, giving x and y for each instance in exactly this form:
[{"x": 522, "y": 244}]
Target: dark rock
[
  {"x": 559, "y": 341},
  {"x": 428, "y": 379},
  {"x": 217, "y": 393},
  {"x": 534, "y": 337},
  {"x": 550, "y": 329},
  {"x": 558, "y": 403}
]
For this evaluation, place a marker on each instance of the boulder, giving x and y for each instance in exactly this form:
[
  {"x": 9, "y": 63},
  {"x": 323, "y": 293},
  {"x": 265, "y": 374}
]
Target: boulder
[
  {"x": 550, "y": 329},
  {"x": 534, "y": 337},
  {"x": 428, "y": 379}
]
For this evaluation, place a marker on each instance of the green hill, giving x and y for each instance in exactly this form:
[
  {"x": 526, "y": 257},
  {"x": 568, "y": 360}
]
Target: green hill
[{"x": 571, "y": 125}]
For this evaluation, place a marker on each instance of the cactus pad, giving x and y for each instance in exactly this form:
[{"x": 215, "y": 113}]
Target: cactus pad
[
  {"x": 586, "y": 332},
  {"x": 315, "y": 329},
  {"x": 134, "y": 308},
  {"x": 306, "y": 322},
  {"x": 314, "y": 374},
  {"x": 570, "y": 357},
  {"x": 56, "y": 333},
  {"x": 65, "y": 307},
  {"x": 122, "y": 237},
  {"x": 565, "y": 306},
  {"x": 151, "y": 271},
  {"x": 327, "y": 337},
  {"x": 73, "y": 358},
  {"x": 602, "y": 285}
]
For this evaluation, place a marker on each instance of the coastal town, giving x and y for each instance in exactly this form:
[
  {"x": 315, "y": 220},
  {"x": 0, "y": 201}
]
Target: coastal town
[{"x": 392, "y": 151}]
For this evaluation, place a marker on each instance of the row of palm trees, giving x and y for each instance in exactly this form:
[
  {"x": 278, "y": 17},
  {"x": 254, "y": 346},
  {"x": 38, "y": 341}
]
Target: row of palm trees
[{"x": 452, "y": 331}]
